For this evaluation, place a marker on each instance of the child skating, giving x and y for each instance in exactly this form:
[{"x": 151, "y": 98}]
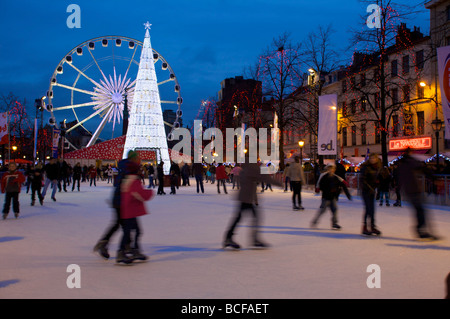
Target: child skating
[{"x": 330, "y": 185}]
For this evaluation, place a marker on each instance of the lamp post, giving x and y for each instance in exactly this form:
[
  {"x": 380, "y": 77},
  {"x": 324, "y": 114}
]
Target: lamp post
[
  {"x": 14, "y": 148},
  {"x": 301, "y": 143},
  {"x": 436, "y": 124}
]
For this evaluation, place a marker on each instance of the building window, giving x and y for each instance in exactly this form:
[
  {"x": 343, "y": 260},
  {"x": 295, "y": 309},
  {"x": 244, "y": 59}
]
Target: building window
[
  {"x": 344, "y": 136},
  {"x": 395, "y": 126},
  {"x": 419, "y": 60},
  {"x": 420, "y": 92},
  {"x": 377, "y": 133},
  {"x": 405, "y": 64},
  {"x": 394, "y": 68},
  {"x": 353, "y": 82},
  {"x": 363, "y": 134},
  {"x": 353, "y": 106},
  {"x": 363, "y": 79},
  {"x": 406, "y": 93},
  {"x": 353, "y": 135},
  {"x": 363, "y": 104},
  {"x": 394, "y": 96},
  {"x": 420, "y": 123},
  {"x": 377, "y": 100}
]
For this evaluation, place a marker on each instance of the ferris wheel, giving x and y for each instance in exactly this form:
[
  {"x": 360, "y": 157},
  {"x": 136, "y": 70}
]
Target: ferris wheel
[{"x": 94, "y": 81}]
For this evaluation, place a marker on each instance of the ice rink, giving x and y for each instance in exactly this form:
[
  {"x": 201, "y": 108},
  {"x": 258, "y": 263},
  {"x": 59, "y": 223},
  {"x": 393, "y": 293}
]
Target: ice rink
[{"x": 183, "y": 235}]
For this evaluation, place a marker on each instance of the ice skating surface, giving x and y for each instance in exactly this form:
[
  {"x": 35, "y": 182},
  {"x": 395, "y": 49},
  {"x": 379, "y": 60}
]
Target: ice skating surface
[{"x": 183, "y": 236}]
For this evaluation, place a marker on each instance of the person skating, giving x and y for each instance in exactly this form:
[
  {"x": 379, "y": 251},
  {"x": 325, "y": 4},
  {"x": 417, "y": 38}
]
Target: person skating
[
  {"x": 185, "y": 172},
  {"x": 51, "y": 177},
  {"x": 409, "y": 171},
  {"x": 235, "y": 173},
  {"x": 221, "y": 177},
  {"x": 250, "y": 176},
  {"x": 297, "y": 178},
  {"x": 369, "y": 182},
  {"x": 173, "y": 182},
  {"x": 384, "y": 185},
  {"x": 396, "y": 186},
  {"x": 330, "y": 184},
  {"x": 36, "y": 179},
  {"x": 160, "y": 175},
  {"x": 101, "y": 247},
  {"x": 151, "y": 174},
  {"x": 76, "y": 176},
  {"x": 133, "y": 196},
  {"x": 198, "y": 171},
  {"x": 11, "y": 184},
  {"x": 93, "y": 176}
]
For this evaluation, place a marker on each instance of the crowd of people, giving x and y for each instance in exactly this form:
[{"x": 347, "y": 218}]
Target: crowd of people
[{"x": 376, "y": 184}]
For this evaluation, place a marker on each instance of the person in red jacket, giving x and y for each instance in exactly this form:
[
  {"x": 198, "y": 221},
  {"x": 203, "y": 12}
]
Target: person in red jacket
[
  {"x": 221, "y": 177},
  {"x": 133, "y": 196},
  {"x": 11, "y": 184}
]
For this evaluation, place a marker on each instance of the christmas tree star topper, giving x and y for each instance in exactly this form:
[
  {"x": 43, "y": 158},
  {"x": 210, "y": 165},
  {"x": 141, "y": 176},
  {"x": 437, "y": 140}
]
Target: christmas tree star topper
[{"x": 147, "y": 25}]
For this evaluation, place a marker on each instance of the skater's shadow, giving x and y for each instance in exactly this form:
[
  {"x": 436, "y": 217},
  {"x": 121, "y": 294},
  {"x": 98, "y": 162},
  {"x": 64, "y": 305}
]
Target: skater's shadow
[
  {"x": 297, "y": 231},
  {"x": 10, "y": 238},
  {"x": 181, "y": 252},
  {"x": 6, "y": 283},
  {"x": 423, "y": 246}
]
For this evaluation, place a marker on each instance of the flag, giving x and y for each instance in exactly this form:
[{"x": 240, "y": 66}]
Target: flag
[
  {"x": 4, "y": 134},
  {"x": 327, "y": 137},
  {"x": 55, "y": 138},
  {"x": 444, "y": 80}
]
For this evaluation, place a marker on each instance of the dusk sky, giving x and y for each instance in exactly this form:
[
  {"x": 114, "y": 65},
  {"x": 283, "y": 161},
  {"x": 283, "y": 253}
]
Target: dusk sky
[{"x": 204, "y": 41}]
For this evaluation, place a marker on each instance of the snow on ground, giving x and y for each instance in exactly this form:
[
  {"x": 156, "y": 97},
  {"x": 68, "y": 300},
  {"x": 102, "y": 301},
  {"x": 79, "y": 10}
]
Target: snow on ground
[{"x": 183, "y": 236}]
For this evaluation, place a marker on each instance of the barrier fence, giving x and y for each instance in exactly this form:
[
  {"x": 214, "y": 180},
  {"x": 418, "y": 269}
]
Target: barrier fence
[{"x": 436, "y": 190}]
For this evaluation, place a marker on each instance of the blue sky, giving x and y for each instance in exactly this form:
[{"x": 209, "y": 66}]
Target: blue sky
[{"x": 204, "y": 41}]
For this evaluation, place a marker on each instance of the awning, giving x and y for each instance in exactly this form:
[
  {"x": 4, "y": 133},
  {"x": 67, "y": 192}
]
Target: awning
[{"x": 398, "y": 153}]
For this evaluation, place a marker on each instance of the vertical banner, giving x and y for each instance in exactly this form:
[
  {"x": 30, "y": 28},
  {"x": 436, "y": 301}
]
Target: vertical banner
[
  {"x": 55, "y": 142},
  {"x": 327, "y": 137},
  {"x": 4, "y": 136},
  {"x": 444, "y": 80}
]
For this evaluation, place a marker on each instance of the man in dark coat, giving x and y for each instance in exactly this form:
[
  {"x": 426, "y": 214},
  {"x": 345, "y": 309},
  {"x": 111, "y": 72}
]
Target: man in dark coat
[
  {"x": 410, "y": 171},
  {"x": 160, "y": 173},
  {"x": 250, "y": 176},
  {"x": 51, "y": 177}
]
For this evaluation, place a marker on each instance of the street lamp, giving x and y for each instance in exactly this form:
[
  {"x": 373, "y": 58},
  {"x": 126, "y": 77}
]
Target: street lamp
[
  {"x": 436, "y": 124},
  {"x": 301, "y": 143},
  {"x": 14, "y": 148}
]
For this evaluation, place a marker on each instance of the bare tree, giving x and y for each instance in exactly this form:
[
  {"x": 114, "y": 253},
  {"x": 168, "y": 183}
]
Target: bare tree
[
  {"x": 279, "y": 70},
  {"x": 378, "y": 44},
  {"x": 320, "y": 58}
]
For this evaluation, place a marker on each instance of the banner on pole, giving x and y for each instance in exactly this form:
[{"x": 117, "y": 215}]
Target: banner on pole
[
  {"x": 444, "y": 81},
  {"x": 327, "y": 137},
  {"x": 4, "y": 134},
  {"x": 55, "y": 142}
]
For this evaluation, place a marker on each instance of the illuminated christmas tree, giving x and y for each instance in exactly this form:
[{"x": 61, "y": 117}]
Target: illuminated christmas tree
[{"x": 145, "y": 123}]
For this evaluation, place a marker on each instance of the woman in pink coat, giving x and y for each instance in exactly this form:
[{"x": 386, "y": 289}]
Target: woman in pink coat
[{"x": 132, "y": 205}]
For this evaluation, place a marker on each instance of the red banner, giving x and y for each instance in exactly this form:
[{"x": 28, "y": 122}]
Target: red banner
[{"x": 418, "y": 143}]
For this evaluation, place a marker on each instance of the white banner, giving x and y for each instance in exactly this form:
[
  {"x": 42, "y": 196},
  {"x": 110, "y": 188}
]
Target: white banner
[
  {"x": 327, "y": 137},
  {"x": 444, "y": 80}
]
